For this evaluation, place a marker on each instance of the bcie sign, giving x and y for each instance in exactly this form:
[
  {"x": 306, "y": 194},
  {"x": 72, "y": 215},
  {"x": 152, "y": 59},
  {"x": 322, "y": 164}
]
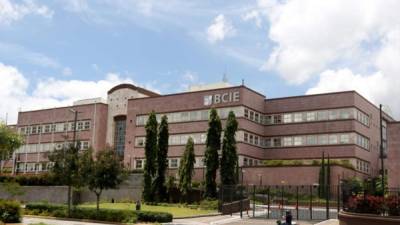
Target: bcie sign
[{"x": 226, "y": 97}]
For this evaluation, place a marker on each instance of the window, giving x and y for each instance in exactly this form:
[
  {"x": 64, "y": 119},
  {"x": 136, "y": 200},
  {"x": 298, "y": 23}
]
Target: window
[
  {"x": 53, "y": 127},
  {"x": 173, "y": 163},
  {"x": 244, "y": 161},
  {"x": 267, "y": 142},
  {"x": 139, "y": 164},
  {"x": 251, "y": 139},
  {"x": 85, "y": 145},
  {"x": 34, "y": 129},
  {"x": 80, "y": 126},
  {"x": 298, "y": 140},
  {"x": 333, "y": 139},
  {"x": 287, "y": 118},
  {"x": 344, "y": 113},
  {"x": 268, "y": 120},
  {"x": 47, "y": 129},
  {"x": 287, "y": 141},
  {"x": 344, "y": 138},
  {"x": 322, "y": 115},
  {"x": 277, "y": 119},
  {"x": 312, "y": 140},
  {"x": 250, "y": 162},
  {"x": 311, "y": 116},
  {"x": 251, "y": 115},
  {"x": 256, "y": 140},
  {"x": 256, "y": 117},
  {"x": 323, "y": 139},
  {"x": 298, "y": 117},
  {"x": 87, "y": 125},
  {"x": 246, "y": 113},
  {"x": 333, "y": 115},
  {"x": 277, "y": 142}
]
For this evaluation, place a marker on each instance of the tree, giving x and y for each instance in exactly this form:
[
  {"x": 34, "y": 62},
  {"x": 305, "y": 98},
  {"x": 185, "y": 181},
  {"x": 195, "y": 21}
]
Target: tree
[
  {"x": 68, "y": 168},
  {"x": 150, "y": 148},
  {"x": 106, "y": 172},
  {"x": 186, "y": 169},
  {"x": 9, "y": 142},
  {"x": 229, "y": 157},
  {"x": 162, "y": 161},
  {"x": 213, "y": 144}
]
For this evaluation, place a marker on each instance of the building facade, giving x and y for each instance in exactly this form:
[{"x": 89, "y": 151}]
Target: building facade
[{"x": 298, "y": 129}]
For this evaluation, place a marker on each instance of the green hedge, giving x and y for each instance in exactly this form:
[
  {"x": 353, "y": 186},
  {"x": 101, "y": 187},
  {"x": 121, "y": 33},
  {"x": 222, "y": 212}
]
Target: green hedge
[
  {"x": 110, "y": 215},
  {"x": 10, "y": 211},
  {"x": 37, "y": 180}
]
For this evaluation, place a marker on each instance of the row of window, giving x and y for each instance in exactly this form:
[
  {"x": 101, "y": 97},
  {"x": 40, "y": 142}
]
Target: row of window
[
  {"x": 306, "y": 140},
  {"x": 188, "y": 116},
  {"x": 273, "y": 142},
  {"x": 172, "y": 163},
  {"x": 33, "y": 167},
  {"x": 251, "y": 162},
  {"x": 307, "y": 116},
  {"x": 177, "y": 139},
  {"x": 49, "y": 147},
  {"x": 55, "y": 127},
  {"x": 362, "y": 166}
]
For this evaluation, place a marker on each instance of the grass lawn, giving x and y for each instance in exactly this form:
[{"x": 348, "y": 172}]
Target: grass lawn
[{"x": 175, "y": 210}]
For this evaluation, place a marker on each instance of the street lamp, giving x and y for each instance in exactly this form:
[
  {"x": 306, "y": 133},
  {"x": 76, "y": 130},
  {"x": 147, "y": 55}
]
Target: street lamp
[
  {"x": 242, "y": 171},
  {"x": 75, "y": 121}
]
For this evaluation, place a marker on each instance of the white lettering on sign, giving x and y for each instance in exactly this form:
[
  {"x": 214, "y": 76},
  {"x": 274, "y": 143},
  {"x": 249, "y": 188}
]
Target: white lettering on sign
[{"x": 222, "y": 98}]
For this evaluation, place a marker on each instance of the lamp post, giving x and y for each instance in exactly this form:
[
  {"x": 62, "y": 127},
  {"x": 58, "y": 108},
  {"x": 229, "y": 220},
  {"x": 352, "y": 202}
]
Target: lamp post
[
  {"x": 75, "y": 121},
  {"x": 241, "y": 192},
  {"x": 260, "y": 178}
]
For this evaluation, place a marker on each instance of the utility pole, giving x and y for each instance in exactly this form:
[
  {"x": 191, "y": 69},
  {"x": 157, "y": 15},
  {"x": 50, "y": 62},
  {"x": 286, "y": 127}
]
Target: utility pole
[{"x": 382, "y": 151}]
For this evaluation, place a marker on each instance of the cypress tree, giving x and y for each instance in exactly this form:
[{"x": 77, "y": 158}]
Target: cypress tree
[
  {"x": 229, "y": 155},
  {"x": 162, "y": 161},
  {"x": 150, "y": 148},
  {"x": 213, "y": 144},
  {"x": 186, "y": 168}
]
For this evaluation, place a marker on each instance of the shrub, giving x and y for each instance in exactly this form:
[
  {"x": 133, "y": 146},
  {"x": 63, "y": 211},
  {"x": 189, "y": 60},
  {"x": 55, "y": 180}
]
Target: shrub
[
  {"x": 209, "y": 204},
  {"x": 159, "y": 217},
  {"x": 40, "y": 180},
  {"x": 10, "y": 211},
  {"x": 110, "y": 215},
  {"x": 367, "y": 204}
]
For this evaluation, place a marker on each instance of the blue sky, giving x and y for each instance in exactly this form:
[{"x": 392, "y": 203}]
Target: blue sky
[{"x": 54, "y": 52}]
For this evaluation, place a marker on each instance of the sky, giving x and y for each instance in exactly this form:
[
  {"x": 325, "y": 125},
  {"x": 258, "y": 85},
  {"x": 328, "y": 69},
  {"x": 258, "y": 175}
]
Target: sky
[{"x": 55, "y": 52}]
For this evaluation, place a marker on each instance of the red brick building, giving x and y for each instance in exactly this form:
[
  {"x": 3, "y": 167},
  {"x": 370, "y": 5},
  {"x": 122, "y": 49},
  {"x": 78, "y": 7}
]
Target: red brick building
[{"x": 343, "y": 125}]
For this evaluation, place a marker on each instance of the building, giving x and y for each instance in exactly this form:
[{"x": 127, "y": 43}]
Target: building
[{"x": 343, "y": 125}]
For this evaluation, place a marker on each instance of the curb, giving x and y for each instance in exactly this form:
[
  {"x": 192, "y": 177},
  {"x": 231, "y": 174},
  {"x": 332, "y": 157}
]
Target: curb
[
  {"x": 71, "y": 219},
  {"x": 198, "y": 216}
]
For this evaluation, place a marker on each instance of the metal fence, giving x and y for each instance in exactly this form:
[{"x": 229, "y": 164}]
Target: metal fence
[{"x": 306, "y": 202}]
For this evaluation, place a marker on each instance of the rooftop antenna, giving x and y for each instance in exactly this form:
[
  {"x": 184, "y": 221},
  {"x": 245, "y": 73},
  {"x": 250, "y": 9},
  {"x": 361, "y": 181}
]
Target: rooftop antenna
[
  {"x": 242, "y": 82},
  {"x": 6, "y": 118}
]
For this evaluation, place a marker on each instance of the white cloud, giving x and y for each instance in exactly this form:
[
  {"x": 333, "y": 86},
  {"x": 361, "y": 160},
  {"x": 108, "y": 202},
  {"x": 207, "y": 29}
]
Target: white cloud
[
  {"x": 381, "y": 87},
  {"x": 17, "y": 93},
  {"x": 313, "y": 35},
  {"x": 220, "y": 29},
  {"x": 11, "y": 11},
  {"x": 253, "y": 15}
]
